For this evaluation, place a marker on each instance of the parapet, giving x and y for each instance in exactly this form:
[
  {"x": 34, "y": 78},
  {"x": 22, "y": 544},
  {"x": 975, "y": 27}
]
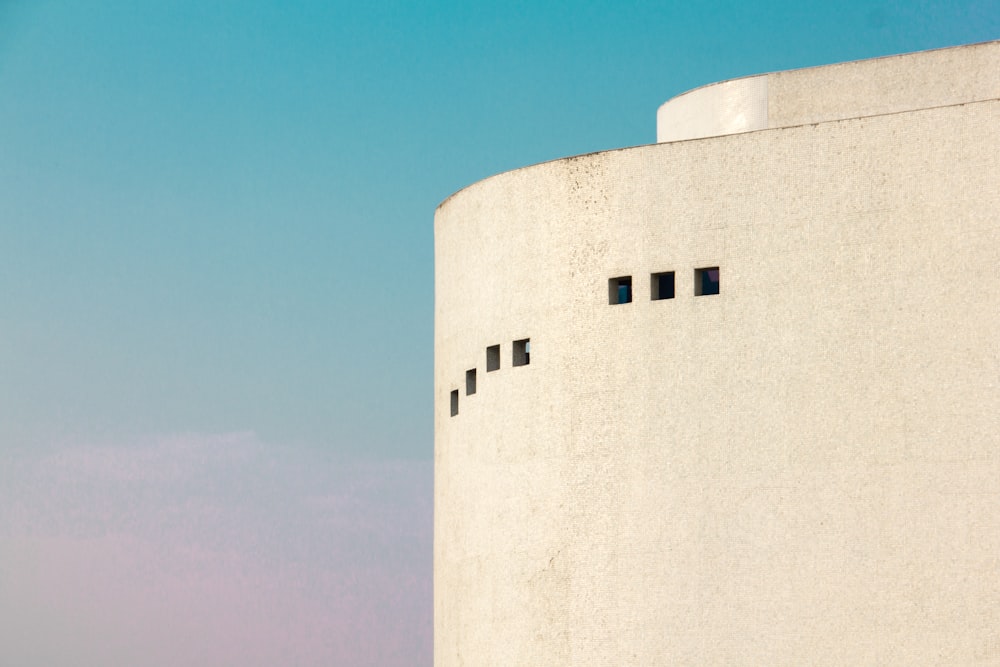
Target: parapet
[{"x": 857, "y": 89}]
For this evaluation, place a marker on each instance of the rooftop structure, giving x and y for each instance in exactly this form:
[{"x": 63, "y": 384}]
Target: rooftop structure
[{"x": 734, "y": 397}]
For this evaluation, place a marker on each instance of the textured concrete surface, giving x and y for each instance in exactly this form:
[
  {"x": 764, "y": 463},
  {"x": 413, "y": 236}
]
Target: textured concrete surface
[
  {"x": 802, "y": 469},
  {"x": 834, "y": 92},
  {"x": 729, "y": 107}
]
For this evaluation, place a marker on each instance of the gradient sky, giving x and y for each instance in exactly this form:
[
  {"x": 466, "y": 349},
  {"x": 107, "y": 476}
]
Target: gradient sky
[{"x": 216, "y": 287}]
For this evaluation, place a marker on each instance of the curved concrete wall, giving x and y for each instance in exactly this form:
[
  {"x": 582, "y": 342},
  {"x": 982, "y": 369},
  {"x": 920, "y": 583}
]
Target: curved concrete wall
[
  {"x": 729, "y": 107},
  {"x": 857, "y": 89},
  {"x": 801, "y": 469}
]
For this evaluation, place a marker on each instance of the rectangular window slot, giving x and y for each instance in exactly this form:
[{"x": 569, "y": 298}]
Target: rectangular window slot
[
  {"x": 454, "y": 402},
  {"x": 706, "y": 281},
  {"x": 662, "y": 285},
  {"x": 620, "y": 290},
  {"x": 470, "y": 382},
  {"x": 522, "y": 352},
  {"x": 492, "y": 358}
]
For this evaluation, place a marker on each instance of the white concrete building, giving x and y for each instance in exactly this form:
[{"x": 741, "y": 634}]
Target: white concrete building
[{"x": 732, "y": 398}]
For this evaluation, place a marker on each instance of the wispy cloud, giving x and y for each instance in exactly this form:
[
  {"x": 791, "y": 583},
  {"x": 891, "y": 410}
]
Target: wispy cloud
[{"x": 213, "y": 550}]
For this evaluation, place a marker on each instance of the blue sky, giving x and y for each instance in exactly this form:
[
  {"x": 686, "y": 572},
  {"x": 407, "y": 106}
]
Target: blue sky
[
  {"x": 216, "y": 227},
  {"x": 217, "y": 216}
]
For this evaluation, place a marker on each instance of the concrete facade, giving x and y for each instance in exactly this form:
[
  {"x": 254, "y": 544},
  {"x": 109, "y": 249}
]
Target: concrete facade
[{"x": 801, "y": 469}]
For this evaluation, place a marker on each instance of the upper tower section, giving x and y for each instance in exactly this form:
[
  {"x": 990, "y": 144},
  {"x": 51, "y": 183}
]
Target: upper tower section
[{"x": 833, "y": 92}]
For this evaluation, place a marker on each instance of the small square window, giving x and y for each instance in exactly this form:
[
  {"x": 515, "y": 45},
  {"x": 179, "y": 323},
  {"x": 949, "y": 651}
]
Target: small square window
[
  {"x": 470, "y": 382},
  {"x": 706, "y": 281},
  {"x": 454, "y": 402},
  {"x": 662, "y": 286},
  {"x": 492, "y": 358},
  {"x": 620, "y": 290},
  {"x": 522, "y": 352}
]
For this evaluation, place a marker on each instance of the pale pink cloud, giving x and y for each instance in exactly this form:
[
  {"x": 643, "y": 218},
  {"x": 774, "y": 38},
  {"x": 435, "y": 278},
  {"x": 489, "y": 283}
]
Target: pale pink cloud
[{"x": 213, "y": 550}]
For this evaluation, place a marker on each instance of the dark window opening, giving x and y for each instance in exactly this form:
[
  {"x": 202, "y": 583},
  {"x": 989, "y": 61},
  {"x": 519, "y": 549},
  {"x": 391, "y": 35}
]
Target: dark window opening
[
  {"x": 522, "y": 352},
  {"x": 662, "y": 286},
  {"x": 620, "y": 290},
  {"x": 492, "y": 358},
  {"x": 470, "y": 382},
  {"x": 706, "y": 281},
  {"x": 454, "y": 402}
]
